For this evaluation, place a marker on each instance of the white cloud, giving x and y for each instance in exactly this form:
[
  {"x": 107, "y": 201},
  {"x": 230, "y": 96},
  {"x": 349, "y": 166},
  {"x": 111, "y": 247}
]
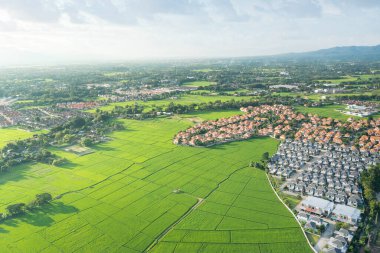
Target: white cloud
[{"x": 37, "y": 31}]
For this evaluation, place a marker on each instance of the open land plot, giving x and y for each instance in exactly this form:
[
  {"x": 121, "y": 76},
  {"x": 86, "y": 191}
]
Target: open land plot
[
  {"x": 326, "y": 111},
  {"x": 120, "y": 198},
  {"x": 79, "y": 150}
]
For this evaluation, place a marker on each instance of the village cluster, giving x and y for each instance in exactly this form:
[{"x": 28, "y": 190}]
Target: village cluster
[
  {"x": 282, "y": 122},
  {"x": 322, "y": 170},
  {"x": 36, "y": 118},
  {"x": 122, "y": 95}
]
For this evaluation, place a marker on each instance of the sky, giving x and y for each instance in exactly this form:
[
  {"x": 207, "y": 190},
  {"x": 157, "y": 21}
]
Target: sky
[{"x": 85, "y": 31}]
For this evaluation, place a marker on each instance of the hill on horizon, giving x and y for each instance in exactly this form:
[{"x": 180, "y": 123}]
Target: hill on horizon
[{"x": 371, "y": 53}]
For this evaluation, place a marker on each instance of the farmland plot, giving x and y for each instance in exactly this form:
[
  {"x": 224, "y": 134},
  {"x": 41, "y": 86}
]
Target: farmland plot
[{"x": 120, "y": 198}]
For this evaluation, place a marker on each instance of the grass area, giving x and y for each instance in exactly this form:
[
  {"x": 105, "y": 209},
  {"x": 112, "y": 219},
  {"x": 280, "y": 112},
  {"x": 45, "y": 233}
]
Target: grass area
[
  {"x": 120, "y": 198},
  {"x": 312, "y": 238},
  {"x": 198, "y": 83},
  {"x": 314, "y": 97},
  {"x": 205, "y": 70},
  {"x": 368, "y": 93},
  {"x": 238, "y": 91},
  {"x": 14, "y": 134},
  {"x": 290, "y": 200},
  {"x": 23, "y": 101},
  {"x": 351, "y": 78},
  {"x": 326, "y": 111},
  {"x": 184, "y": 100},
  {"x": 198, "y": 92},
  {"x": 340, "y": 80}
]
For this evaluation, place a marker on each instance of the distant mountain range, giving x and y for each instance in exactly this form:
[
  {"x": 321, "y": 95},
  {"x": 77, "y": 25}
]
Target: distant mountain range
[{"x": 337, "y": 53}]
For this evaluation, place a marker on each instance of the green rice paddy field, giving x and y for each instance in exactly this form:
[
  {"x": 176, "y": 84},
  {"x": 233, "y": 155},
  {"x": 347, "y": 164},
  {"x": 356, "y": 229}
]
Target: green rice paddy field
[
  {"x": 120, "y": 198},
  {"x": 183, "y": 100}
]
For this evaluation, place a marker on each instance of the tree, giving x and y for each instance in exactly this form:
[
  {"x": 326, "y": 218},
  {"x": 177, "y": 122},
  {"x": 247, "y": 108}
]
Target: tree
[
  {"x": 85, "y": 142},
  {"x": 265, "y": 156},
  {"x": 321, "y": 229},
  {"x": 78, "y": 122},
  {"x": 15, "y": 209},
  {"x": 43, "y": 198}
]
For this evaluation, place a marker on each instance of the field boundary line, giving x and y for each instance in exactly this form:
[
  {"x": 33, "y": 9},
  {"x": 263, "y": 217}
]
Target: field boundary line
[
  {"x": 189, "y": 211},
  {"x": 167, "y": 230},
  {"x": 94, "y": 184},
  {"x": 300, "y": 225}
]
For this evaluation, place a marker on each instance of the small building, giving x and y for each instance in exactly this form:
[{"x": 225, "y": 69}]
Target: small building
[
  {"x": 311, "y": 226},
  {"x": 354, "y": 200},
  {"x": 317, "y": 220},
  {"x": 317, "y": 206},
  {"x": 346, "y": 214},
  {"x": 338, "y": 243},
  {"x": 344, "y": 233},
  {"x": 303, "y": 217}
]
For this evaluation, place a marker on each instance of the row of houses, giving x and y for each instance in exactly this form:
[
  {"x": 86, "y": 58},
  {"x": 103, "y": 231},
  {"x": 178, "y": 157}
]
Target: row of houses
[
  {"x": 328, "y": 209},
  {"x": 327, "y": 171}
]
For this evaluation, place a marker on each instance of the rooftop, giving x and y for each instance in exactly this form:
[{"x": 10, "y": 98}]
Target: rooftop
[
  {"x": 318, "y": 202},
  {"x": 347, "y": 211}
]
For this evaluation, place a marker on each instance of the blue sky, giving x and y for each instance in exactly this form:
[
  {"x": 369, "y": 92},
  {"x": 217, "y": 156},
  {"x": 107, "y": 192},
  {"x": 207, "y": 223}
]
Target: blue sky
[{"x": 64, "y": 31}]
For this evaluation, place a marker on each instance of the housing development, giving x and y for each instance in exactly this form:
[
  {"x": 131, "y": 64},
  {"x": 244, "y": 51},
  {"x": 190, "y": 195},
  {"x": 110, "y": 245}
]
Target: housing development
[{"x": 192, "y": 162}]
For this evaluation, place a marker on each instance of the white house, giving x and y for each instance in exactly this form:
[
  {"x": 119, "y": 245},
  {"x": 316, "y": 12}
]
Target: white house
[
  {"x": 344, "y": 233},
  {"x": 317, "y": 220},
  {"x": 317, "y": 206},
  {"x": 346, "y": 214},
  {"x": 302, "y": 217}
]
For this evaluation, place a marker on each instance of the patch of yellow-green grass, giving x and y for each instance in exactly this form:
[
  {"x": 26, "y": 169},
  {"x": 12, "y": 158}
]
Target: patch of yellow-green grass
[
  {"x": 352, "y": 78},
  {"x": 23, "y": 101},
  {"x": 340, "y": 80},
  {"x": 326, "y": 111},
  {"x": 198, "y": 83},
  {"x": 199, "y": 92},
  {"x": 205, "y": 70},
  {"x": 311, "y": 96},
  {"x": 14, "y": 134},
  {"x": 313, "y": 238}
]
